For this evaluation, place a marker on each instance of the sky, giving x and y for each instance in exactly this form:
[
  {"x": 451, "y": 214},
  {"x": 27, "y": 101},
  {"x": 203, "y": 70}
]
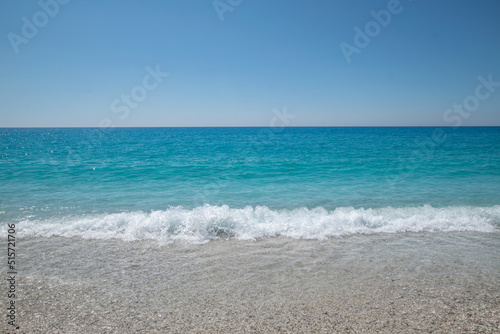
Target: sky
[{"x": 76, "y": 63}]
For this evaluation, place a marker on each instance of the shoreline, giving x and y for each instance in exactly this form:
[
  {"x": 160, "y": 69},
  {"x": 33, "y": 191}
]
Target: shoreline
[{"x": 444, "y": 283}]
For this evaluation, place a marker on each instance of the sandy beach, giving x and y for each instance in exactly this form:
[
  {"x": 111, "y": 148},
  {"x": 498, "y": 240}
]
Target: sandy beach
[{"x": 359, "y": 284}]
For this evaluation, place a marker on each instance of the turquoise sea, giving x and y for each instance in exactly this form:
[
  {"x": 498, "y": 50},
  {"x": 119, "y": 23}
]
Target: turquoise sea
[{"x": 201, "y": 184}]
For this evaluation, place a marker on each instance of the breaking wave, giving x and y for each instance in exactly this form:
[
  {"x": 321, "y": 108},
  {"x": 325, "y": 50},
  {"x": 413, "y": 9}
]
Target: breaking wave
[{"x": 205, "y": 223}]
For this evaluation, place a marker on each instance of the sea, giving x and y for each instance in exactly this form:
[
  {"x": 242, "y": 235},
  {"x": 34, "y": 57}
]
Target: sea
[
  {"x": 196, "y": 185},
  {"x": 122, "y": 230}
]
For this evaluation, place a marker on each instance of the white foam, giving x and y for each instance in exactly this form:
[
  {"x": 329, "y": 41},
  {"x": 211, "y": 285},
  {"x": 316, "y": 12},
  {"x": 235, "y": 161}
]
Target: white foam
[{"x": 207, "y": 222}]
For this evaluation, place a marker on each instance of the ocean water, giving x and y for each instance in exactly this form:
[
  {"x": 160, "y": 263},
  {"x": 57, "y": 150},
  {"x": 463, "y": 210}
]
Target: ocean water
[{"x": 201, "y": 184}]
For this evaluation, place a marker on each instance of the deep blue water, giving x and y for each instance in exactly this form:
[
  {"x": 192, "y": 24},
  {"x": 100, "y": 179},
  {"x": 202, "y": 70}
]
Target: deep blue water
[{"x": 249, "y": 182}]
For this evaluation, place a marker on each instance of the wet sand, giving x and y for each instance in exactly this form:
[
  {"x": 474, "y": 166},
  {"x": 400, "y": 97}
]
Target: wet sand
[{"x": 442, "y": 283}]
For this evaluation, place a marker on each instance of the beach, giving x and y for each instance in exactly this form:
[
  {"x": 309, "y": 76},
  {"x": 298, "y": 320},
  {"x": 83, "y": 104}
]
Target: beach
[
  {"x": 387, "y": 283},
  {"x": 239, "y": 230}
]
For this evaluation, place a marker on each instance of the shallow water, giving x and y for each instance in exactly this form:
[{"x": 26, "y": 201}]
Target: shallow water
[
  {"x": 407, "y": 282},
  {"x": 308, "y": 262}
]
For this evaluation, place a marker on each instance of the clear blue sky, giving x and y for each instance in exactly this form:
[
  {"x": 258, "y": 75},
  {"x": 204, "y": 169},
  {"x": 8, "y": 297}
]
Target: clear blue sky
[{"x": 265, "y": 54}]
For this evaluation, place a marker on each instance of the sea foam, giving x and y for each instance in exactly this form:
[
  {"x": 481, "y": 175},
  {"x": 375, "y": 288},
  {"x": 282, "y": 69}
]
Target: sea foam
[{"x": 205, "y": 223}]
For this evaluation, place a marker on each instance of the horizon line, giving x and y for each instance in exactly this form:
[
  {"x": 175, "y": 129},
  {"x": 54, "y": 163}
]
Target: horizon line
[{"x": 249, "y": 126}]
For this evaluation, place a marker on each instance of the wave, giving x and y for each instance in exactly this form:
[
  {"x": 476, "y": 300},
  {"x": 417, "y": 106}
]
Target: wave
[{"x": 205, "y": 223}]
